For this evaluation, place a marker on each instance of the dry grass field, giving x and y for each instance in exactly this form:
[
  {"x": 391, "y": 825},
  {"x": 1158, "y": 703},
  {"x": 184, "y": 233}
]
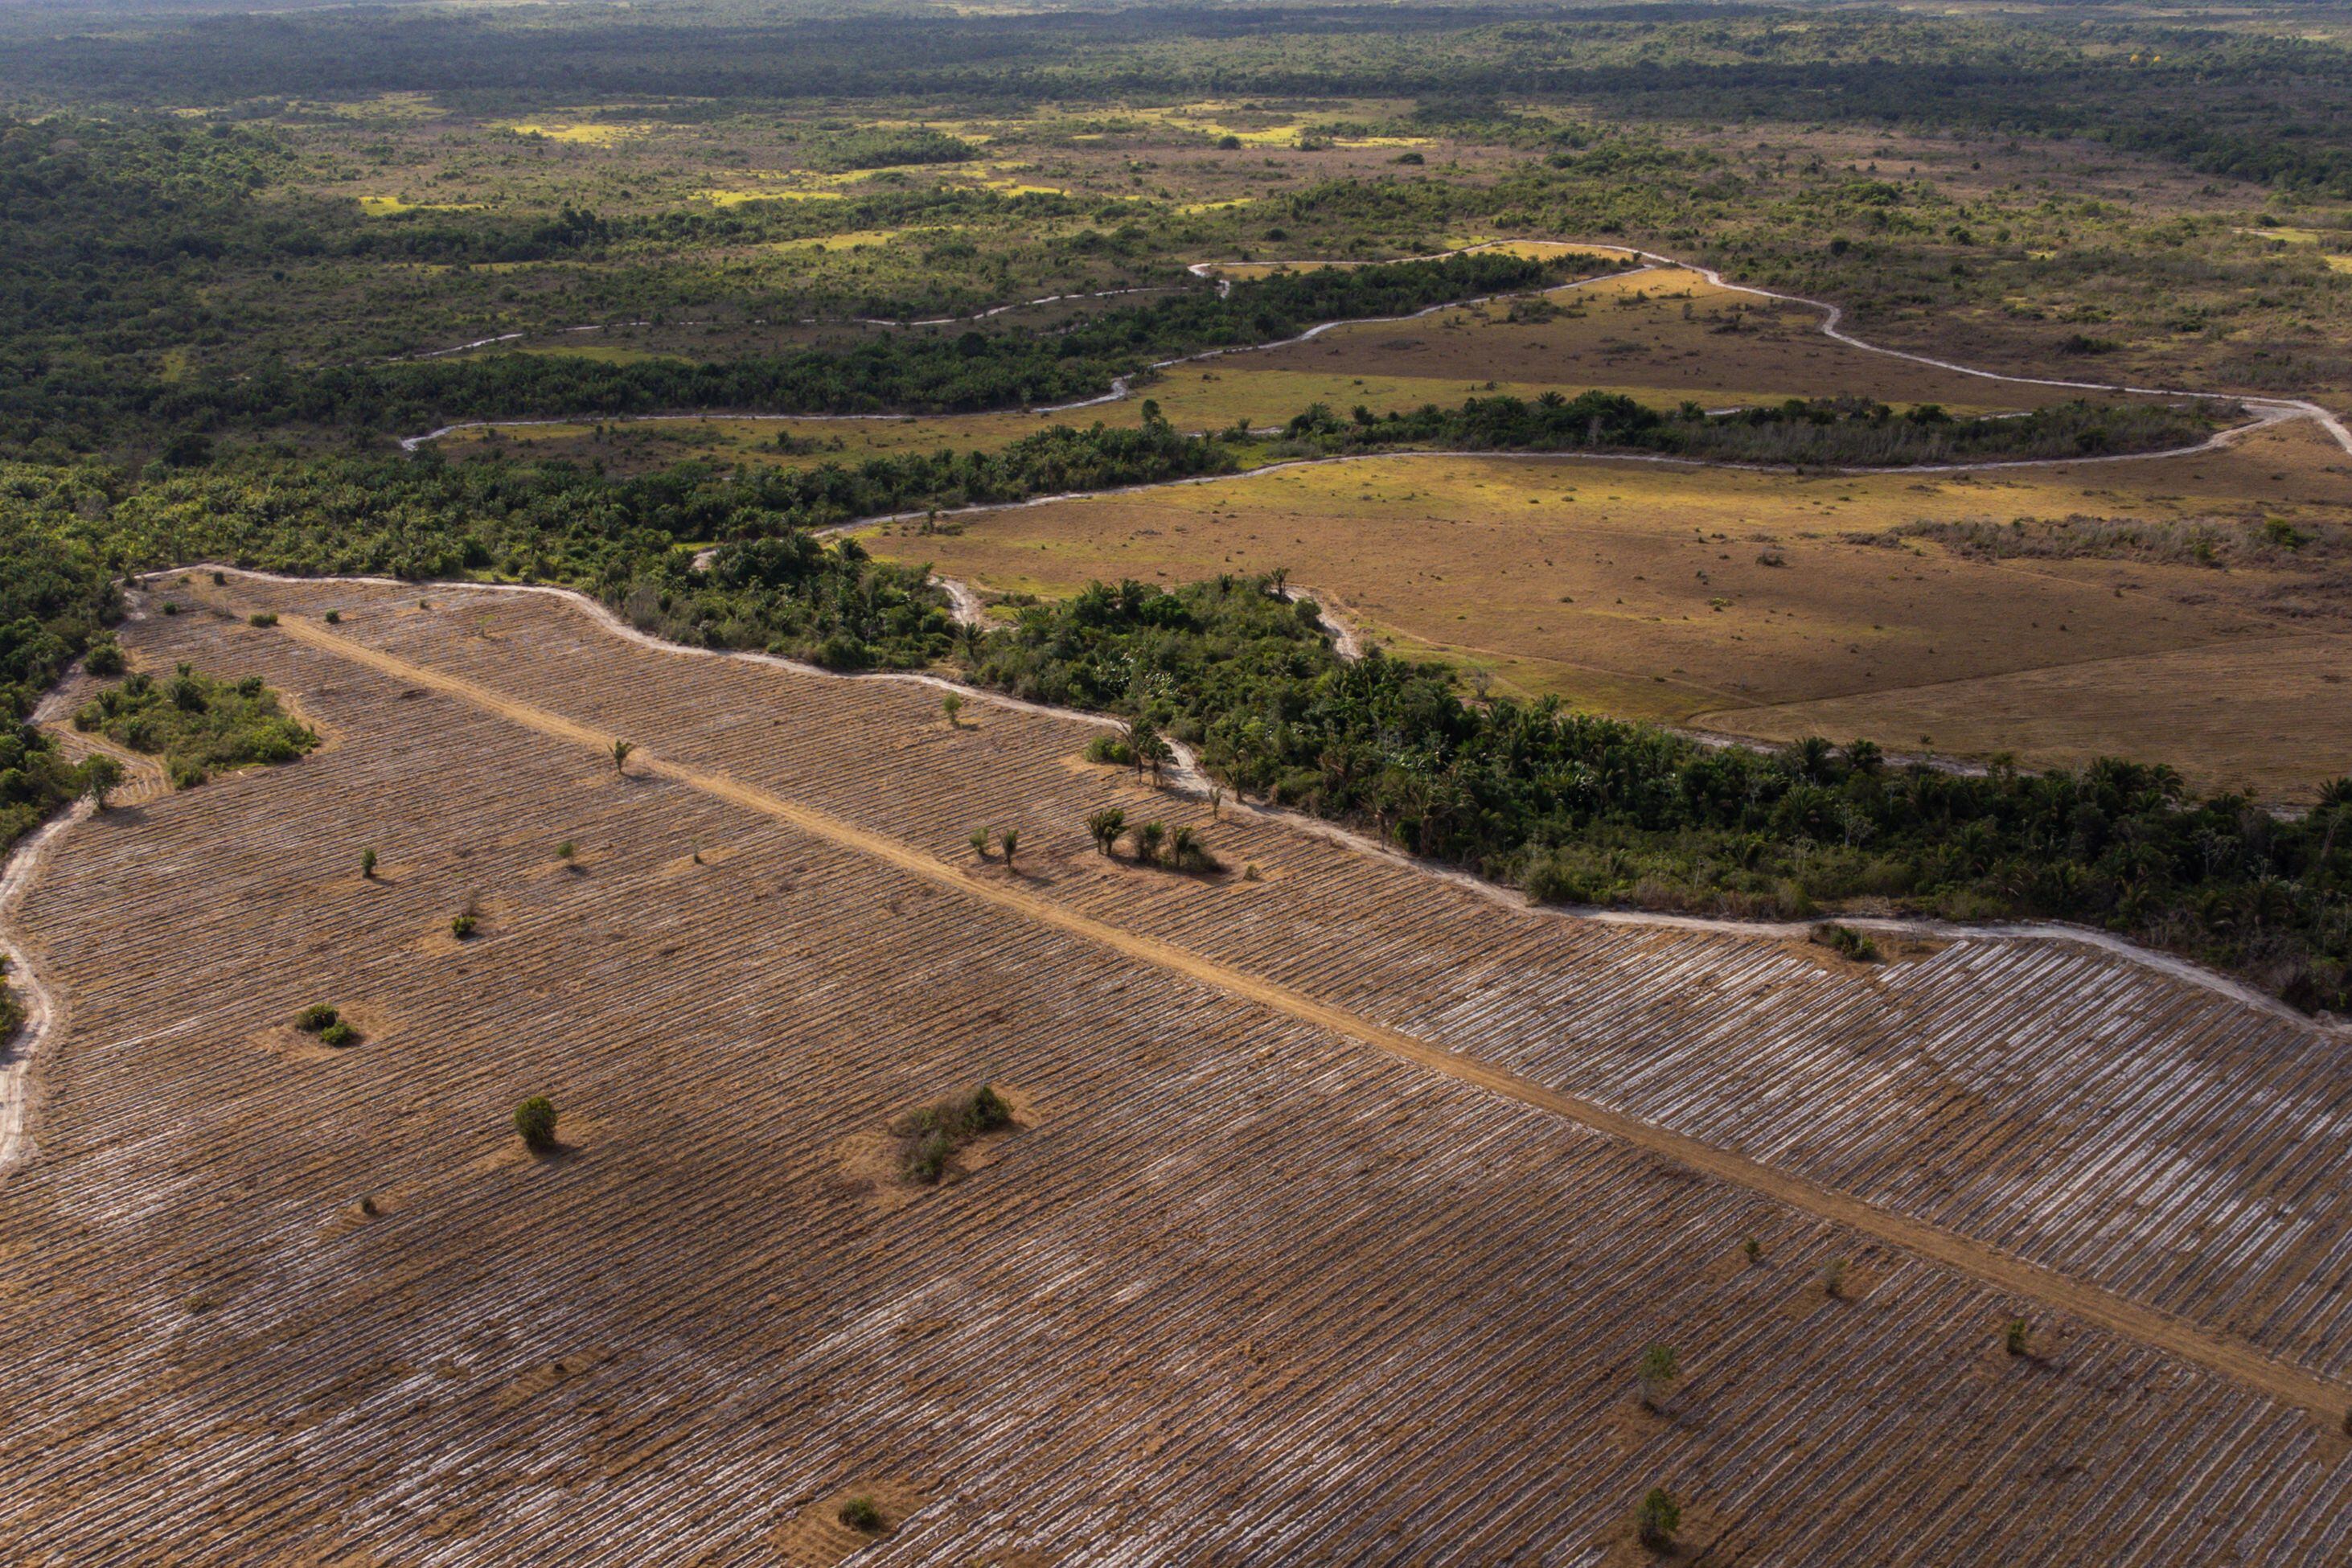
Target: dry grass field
[
  {"x": 1341, "y": 1201},
  {"x": 1659, "y": 335},
  {"x": 1777, "y": 604}
]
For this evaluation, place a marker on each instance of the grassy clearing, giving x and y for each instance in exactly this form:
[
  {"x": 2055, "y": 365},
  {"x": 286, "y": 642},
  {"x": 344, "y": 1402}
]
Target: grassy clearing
[{"x": 1750, "y": 601}]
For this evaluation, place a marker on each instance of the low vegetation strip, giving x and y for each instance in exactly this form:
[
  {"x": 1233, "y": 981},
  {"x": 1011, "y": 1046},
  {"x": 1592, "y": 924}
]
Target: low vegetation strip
[
  {"x": 2220, "y": 1354},
  {"x": 199, "y": 724}
]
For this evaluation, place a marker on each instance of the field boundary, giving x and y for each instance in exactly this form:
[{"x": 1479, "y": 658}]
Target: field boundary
[
  {"x": 1186, "y": 778},
  {"x": 2216, "y": 1352}
]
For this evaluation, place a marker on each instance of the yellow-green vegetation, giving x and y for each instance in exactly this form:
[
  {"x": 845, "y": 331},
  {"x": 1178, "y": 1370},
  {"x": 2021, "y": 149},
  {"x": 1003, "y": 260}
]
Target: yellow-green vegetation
[
  {"x": 1777, "y": 605},
  {"x": 199, "y": 724}
]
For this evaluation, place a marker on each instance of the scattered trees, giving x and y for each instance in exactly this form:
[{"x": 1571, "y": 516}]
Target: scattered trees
[{"x": 930, "y": 1136}]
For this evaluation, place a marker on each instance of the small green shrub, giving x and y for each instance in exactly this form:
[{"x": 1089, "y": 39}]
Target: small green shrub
[
  {"x": 367, "y": 862},
  {"x": 860, "y": 1514},
  {"x": 534, "y": 1121},
  {"x": 262, "y": 618},
  {"x": 2016, "y": 1338},
  {"x": 565, "y": 851},
  {"x": 337, "y": 1033},
  {"x": 1110, "y": 748},
  {"x": 1846, "y": 942},
  {"x": 334, "y": 618},
  {"x": 318, "y": 1016},
  {"x": 105, "y": 657},
  {"x": 1656, "y": 1518},
  {"x": 461, "y": 926},
  {"x": 933, "y": 1135}
]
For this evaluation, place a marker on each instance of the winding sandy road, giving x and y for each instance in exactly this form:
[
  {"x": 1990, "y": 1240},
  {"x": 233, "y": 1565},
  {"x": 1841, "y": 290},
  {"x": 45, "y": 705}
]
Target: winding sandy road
[
  {"x": 2269, "y": 410},
  {"x": 2218, "y": 1353}
]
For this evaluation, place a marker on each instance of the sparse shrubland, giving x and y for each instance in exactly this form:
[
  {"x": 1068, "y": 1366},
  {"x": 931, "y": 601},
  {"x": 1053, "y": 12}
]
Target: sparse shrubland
[{"x": 199, "y": 724}]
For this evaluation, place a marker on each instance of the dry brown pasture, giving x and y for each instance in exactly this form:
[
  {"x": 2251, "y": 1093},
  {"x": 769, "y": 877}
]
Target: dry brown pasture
[
  {"x": 1346, "y": 1199},
  {"x": 1656, "y": 335},
  {"x": 1771, "y": 603}
]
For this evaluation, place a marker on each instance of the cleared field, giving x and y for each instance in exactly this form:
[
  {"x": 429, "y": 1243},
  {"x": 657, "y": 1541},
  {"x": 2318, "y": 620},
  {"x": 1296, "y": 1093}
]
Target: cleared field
[
  {"x": 1727, "y": 598},
  {"x": 1244, "y": 1286}
]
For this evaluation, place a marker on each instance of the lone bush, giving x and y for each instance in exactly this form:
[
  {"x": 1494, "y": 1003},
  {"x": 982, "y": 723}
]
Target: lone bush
[
  {"x": 262, "y": 618},
  {"x": 534, "y": 1121},
  {"x": 337, "y": 1033},
  {"x": 318, "y": 1016},
  {"x": 1656, "y": 1518},
  {"x": 461, "y": 926},
  {"x": 1846, "y": 942},
  {"x": 934, "y": 1134},
  {"x": 2016, "y": 1338},
  {"x": 860, "y": 1514}
]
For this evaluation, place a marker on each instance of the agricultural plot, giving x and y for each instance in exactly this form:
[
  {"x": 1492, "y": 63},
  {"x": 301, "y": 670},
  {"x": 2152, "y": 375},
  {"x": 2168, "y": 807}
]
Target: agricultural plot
[
  {"x": 1340, "y": 1202},
  {"x": 1917, "y": 609}
]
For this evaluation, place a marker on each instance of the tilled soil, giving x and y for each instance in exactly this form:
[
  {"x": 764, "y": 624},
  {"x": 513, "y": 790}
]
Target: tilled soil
[{"x": 1343, "y": 1203}]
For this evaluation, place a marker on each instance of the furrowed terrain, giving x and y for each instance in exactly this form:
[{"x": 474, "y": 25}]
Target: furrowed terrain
[{"x": 1341, "y": 1202}]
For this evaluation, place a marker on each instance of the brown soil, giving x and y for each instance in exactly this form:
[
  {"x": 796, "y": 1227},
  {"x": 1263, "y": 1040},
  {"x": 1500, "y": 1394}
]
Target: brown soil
[{"x": 1358, "y": 1190}]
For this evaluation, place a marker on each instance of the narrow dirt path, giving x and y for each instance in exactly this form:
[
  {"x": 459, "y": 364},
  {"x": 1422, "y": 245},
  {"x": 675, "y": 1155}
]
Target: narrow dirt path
[{"x": 2216, "y": 1352}]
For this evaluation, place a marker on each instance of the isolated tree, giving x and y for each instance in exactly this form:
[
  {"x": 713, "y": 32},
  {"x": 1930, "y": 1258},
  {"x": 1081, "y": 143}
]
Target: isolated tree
[
  {"x": 621, "y": 750},
  {"x": 1011, "y": 839},
  {"x": 101, "y": 776},
  {"x": 951, "y": 705},
  {"x": 1659, "y": 1368},
  {"x": 1104, "y": 826},
  {"x": 1656, "y": 1518},
  {"x": 860, "y": 1514},
  {"x": 2015, "y": 1336},
  {"x": 979, "y": 842},
  {"x": 1216, "y": 803},
  {"x": 367, "y": 865},
  {"x": 534, "y": 1121},
  {"x": 1753, "y": 1248}
]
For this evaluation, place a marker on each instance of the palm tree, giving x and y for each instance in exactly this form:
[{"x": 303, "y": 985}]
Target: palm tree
[
  {"x": 1106, "y": 825},
  {"x": 621, "y": 750},
  {"x": 2335, "y": 799},
  {"x": 979, "y": 842},
  {"x": 1011, "y": 839},
  {"x": 951, "y": 705},
  {"x": 1147, "y": 842}
]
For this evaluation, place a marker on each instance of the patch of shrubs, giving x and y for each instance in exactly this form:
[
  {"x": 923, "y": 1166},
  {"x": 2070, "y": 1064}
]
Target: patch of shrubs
[
  {"x": 199, "y": 723},
  {"x": 1846, "y": 942},
  {"x": 328, "y": 1023},
  {"x": 930, "y": 1136}
]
